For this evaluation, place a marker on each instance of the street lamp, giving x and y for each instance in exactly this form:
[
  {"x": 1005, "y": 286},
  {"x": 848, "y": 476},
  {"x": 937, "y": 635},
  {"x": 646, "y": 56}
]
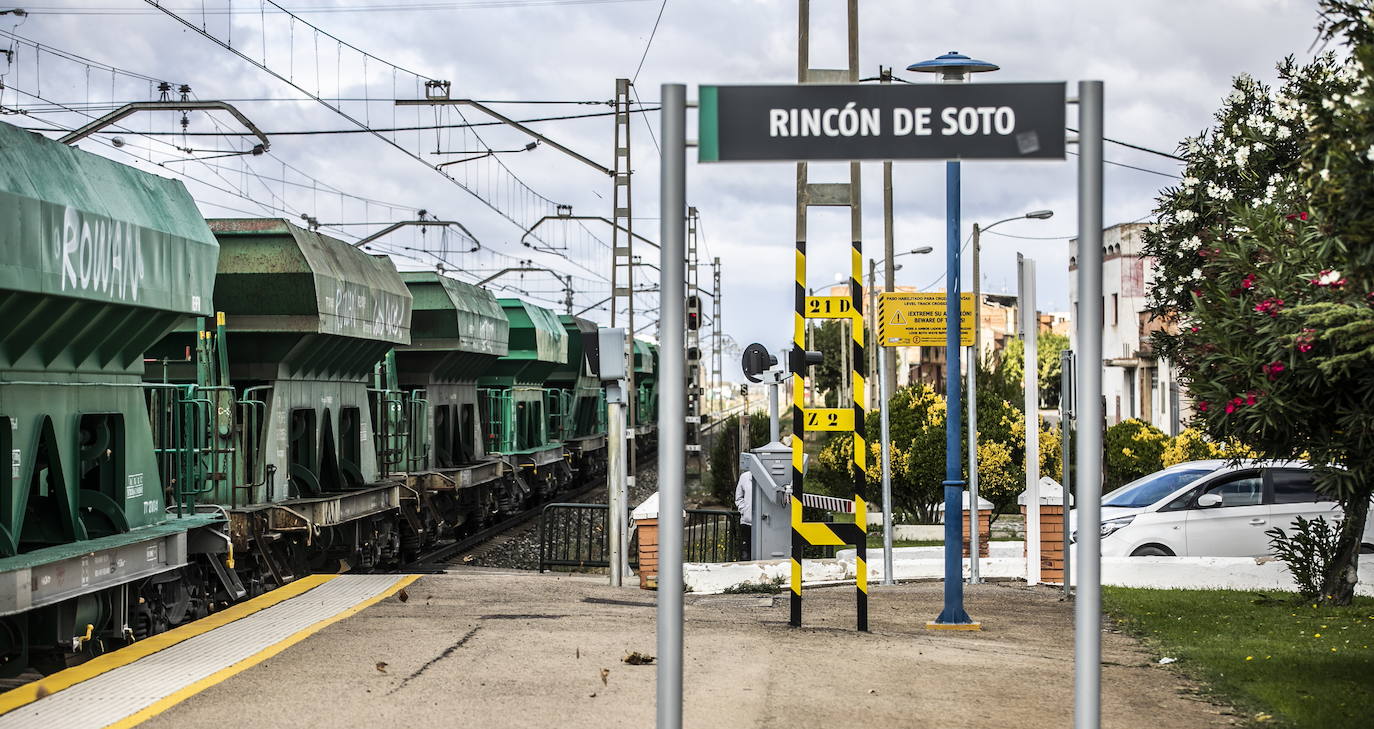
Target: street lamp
[
  {"x": 974, "y": 576},
  {"x": 977, "y": 279},
  {"x": 880, "y": 359},
  {"x": 953, "y": 67}
]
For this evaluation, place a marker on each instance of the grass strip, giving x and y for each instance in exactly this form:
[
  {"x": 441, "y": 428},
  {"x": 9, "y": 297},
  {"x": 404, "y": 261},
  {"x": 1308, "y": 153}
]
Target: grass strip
[{"x": 1281, "y": 660}]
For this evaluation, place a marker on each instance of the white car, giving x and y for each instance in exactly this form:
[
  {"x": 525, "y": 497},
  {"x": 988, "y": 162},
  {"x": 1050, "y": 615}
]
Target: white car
[{"x": 1212, "y": 509}]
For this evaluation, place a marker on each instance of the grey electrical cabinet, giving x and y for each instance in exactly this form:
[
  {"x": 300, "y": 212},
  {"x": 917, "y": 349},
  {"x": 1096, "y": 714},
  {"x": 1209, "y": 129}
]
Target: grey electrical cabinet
[{"x": 771, "y": 468}]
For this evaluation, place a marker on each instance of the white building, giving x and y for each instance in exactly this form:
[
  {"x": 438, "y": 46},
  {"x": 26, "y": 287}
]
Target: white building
[{"x": 1135, "y": 382}]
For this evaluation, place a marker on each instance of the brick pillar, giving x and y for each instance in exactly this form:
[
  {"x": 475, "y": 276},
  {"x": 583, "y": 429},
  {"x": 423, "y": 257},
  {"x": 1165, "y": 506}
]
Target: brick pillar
[
  {"x": 1051, "y": 541},
  {"x": 984, "y": 532},
  {"x": 647, "y": 532}
]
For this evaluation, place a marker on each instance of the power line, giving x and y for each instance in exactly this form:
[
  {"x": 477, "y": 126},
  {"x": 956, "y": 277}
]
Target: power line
[
  {"x": 370, "y": 130},
  {"x": 108, "y": 105},
  {"x": 359, "y": 8},
  {"x": 518, "y": 189},
  {"x": 649, "y": 44},
  {"x": 1138, "y": 169},
  {"x": 1166, "y": 155}
]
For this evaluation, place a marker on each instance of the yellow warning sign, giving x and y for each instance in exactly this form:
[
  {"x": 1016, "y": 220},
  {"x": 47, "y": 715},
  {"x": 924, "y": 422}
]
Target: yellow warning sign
[
  {"x": 829, "y": 418},
  {"x": 830, "y": 307},
  {"x": 918, "y": 319}
]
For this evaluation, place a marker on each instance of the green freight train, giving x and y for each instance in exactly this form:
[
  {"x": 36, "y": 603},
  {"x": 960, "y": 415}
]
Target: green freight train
[{"x": 199, "y": 411}]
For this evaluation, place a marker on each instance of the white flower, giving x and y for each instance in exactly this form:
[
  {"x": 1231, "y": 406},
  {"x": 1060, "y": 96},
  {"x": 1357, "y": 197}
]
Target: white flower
[
  {"x": 1218, "y": 192},
  {"x": 1197, "y": 274},
  {"x": 1192, "y": 243},
  {"x": 1328, "y": 278},
  {"x": 1283, "y": 132},
  {"x": 1242, "y": 155},
  {"x": 1325, "y": 174},
  {"x": 1190, "y": 182},
  {"x": 1185, "y": 216}
]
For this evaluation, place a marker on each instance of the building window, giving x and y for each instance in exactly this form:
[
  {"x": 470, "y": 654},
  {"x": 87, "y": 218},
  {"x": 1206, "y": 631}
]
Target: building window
[{"x": 1116, "y": 310}]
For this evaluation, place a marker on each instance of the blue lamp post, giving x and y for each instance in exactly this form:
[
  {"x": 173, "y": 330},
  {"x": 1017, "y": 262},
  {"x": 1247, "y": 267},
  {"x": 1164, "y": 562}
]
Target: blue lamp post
[{"x": 953, "y": 67}]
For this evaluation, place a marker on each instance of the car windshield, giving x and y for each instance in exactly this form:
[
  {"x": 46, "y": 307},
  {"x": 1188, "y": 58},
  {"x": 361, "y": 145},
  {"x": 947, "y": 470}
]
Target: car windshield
[{"x": 1152, "y": 488}]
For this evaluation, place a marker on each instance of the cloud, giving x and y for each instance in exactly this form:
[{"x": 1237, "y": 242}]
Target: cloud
[{"x": 1166, "y": 65}]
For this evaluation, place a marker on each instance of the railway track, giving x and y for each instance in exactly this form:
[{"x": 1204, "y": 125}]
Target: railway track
[{"x": 434, "y": 561}]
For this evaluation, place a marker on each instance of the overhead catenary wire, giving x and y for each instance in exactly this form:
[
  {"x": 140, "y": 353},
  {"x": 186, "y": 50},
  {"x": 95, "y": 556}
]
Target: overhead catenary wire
[
  {"x": 508, "y": 184},
  {"x": 341, "y": 8}
]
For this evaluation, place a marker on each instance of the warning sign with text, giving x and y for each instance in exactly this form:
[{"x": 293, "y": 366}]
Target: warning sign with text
[{"x": 918, "y": 319}]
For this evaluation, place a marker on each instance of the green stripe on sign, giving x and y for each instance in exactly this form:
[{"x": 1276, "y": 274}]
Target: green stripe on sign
[{"x": 708, "y": 130}]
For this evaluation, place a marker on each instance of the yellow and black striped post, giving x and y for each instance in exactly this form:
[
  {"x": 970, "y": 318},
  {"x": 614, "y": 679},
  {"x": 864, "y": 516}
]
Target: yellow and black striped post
[{"x": 838, "y": 419}]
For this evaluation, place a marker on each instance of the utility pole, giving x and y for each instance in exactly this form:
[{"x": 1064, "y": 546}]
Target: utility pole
[{"x": 623, "y": 261}]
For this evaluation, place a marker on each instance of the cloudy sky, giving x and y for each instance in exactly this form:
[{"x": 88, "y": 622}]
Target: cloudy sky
[{"x": 1166, "y": 65}]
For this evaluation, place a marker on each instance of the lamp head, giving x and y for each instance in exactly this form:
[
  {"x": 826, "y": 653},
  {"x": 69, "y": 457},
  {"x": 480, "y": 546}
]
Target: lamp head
[
  {"x": 922, "y": 249},
  {"x": 1040, "y": 214},
  {"x": 953, "y": 67}
]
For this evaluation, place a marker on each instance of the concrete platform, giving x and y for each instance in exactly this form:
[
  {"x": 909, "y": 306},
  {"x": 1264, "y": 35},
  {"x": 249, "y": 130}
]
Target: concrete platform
[{"x": 484, "y": 648}]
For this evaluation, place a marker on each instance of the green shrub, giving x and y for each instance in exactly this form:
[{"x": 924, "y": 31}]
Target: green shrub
[
  {"x": 1306, "y": 552},
  {"x": 724, "y": 459},
  {"x": 1134, "y": 448}
]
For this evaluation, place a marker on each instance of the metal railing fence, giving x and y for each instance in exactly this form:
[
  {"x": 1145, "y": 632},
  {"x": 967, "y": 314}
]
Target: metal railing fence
[{"x": 575, "y": 535}]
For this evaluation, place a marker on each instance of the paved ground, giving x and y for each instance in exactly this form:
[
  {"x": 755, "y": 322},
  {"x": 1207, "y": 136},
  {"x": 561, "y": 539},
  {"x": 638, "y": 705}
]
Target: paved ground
[{"x": 483, "y": 648}]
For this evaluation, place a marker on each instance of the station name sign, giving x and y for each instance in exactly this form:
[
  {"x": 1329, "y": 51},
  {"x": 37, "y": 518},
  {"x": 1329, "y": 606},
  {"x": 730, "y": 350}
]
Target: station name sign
[{"x": 881, "y": 122}]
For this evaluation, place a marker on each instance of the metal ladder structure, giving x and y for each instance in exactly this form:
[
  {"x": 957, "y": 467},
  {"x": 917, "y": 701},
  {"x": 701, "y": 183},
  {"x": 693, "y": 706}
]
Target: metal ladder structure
[
  {"x": 622, "y": 256},
  {"x": 830, "y": 194},
  {"x": 696, "y": 461},
  {"x": 717, "y": 338}
]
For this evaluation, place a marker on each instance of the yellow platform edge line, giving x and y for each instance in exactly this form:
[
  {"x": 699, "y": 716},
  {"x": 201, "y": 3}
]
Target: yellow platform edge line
[
  {"x": 48, "y": 685},
  {"x": 932, "y": 625},
  {"x": 186, "y": 692}
]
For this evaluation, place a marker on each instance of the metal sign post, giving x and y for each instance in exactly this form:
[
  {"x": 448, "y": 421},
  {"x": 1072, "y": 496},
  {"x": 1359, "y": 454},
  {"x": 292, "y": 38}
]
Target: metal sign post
[
  {"x": 1087, "y": 679},
  {"x": 885, "y": 448},
  {"x": 1030, "y": 326},
  {"x": 889, "y": 122},
  {"x": 672, "y": 404}
]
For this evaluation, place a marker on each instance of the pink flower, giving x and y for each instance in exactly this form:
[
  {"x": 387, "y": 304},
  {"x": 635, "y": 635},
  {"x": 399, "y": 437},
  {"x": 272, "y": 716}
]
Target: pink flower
[
  {"x": 1250, "y": 398},
  {"x": 1269, "y": 306},
  {"x": 1202, "y": 406},
  {"x": 1304, "y": 341},
  {"x": 1248, "y": 282},
  {"x": 1273, "y": 369},
  {"x": 1230, "y": 408},
  {"x": 1297, "y": 216}
]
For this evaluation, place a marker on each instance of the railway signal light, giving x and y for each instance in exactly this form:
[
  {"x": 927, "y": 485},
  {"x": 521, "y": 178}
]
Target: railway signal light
[{"x": 693, "y": 313}]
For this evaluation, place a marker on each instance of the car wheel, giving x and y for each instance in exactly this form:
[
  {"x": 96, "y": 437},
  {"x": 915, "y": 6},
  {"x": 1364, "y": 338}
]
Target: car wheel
[{"x": 1151, "y": 550}]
